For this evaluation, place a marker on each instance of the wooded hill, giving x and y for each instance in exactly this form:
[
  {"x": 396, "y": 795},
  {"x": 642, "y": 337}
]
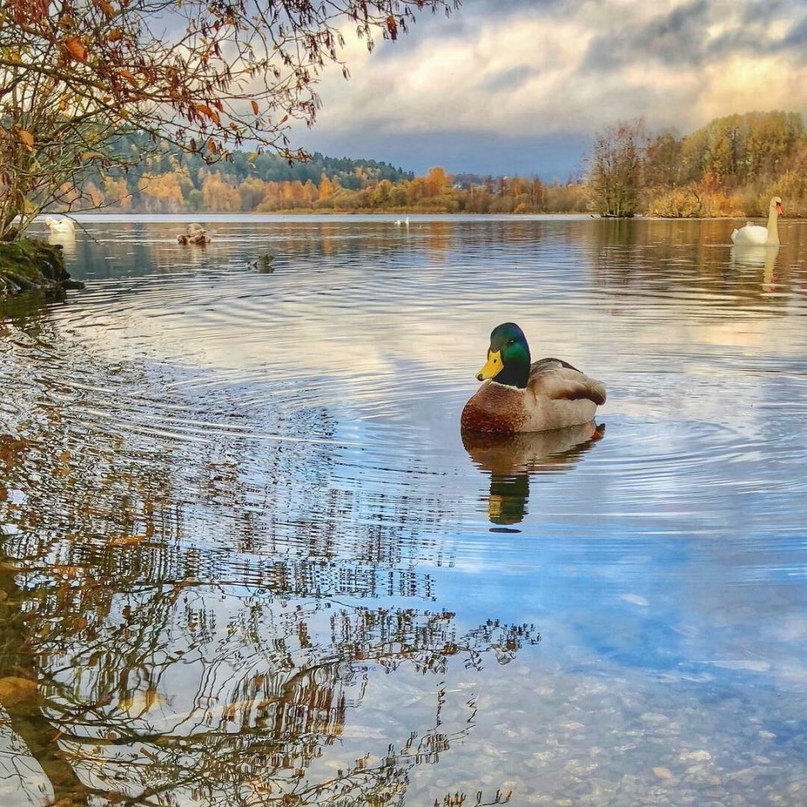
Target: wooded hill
[{"x": 731, "y": 167}]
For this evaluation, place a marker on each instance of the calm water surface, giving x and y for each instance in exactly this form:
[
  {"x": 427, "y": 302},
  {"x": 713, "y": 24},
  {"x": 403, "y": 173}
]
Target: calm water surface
[{"x": 247, "y": 558}]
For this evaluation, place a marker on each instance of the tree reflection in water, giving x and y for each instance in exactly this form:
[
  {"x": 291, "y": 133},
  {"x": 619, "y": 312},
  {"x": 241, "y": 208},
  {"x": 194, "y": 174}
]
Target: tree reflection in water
[{"x": 165, "y": 669}]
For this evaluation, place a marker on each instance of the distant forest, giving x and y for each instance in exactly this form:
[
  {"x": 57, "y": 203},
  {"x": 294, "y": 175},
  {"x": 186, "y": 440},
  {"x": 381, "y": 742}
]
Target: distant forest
[{"x": 731, "y": 167}]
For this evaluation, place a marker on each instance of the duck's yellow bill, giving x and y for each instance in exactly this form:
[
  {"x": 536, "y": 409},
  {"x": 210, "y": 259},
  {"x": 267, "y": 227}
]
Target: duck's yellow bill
[{"x": 493, "y": 366}]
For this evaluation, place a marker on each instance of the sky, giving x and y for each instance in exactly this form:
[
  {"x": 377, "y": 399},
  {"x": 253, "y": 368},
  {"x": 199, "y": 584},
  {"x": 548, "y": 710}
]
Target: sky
[{"x": 518, "y": 87}]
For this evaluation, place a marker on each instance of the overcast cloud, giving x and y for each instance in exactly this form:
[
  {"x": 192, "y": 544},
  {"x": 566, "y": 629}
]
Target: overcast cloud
[{"x": 519, "y": 86}]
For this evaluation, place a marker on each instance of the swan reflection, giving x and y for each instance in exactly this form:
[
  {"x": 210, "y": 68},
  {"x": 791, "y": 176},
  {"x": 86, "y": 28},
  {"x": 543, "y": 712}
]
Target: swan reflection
[
  {"x": 65, "y": 239},
  {"x": 758, "y": 256},
  {"x": 512, "y": 459},
  {"x": 754, "y": 255}
]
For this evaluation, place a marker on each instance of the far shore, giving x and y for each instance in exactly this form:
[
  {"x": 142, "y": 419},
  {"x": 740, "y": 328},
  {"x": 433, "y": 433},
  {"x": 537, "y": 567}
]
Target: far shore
[{"x": 394, "y": 217}]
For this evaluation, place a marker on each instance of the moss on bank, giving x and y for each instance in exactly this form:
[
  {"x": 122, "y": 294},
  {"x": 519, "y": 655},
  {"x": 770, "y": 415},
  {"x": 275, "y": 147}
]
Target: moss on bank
[{"x": 30, "y": 265}]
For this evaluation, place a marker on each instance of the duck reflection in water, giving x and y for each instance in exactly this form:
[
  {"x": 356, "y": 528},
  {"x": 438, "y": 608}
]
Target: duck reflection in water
[{"x": 512, "y": 459}]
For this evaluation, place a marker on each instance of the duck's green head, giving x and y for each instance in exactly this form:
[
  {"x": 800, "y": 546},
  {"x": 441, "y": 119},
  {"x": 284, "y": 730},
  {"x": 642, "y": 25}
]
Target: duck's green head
[{"x": 508, "y": 356}]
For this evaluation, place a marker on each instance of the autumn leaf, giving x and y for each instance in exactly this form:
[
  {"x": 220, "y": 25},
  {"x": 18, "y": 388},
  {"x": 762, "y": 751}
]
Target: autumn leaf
[
  {"x": 206, "y": 110},
  {"x": 255, "y": 107},
  {"x": 211, "y": 144},
  {"x": 27, "y": 12},
  {"x": 76, "y": 49},
  {"x": 27, "y": 139}
]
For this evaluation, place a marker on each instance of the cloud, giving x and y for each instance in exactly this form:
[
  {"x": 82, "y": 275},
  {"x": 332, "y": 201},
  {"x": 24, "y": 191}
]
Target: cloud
[
  {"x": 672, "y": 38},
  {"x": 692, "y": 35},
  {"x": 547, "y": 70}
]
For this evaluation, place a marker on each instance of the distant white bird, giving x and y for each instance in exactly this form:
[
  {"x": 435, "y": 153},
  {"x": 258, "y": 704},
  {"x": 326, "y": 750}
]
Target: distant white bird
[
  {"x": 756, "y": 235},
  {"x": 402, "y": 223},
  {"x": 60, "y": 225}
]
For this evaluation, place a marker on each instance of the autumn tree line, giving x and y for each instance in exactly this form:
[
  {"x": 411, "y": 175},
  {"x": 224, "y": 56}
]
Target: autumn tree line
[
  {"x": 731, "y": 167},
  {"x": 174, "y": 182}
]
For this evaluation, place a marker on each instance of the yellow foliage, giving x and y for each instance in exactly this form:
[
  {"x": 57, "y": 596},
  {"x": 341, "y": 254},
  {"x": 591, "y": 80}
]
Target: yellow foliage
[
  {"x": 325, "y": 189},
  {"x": 693, "y": 202},
  {"x": 162, "y": 193},
  {"x": 792, "y": 187},
  {"x": 220, "y": 196}
]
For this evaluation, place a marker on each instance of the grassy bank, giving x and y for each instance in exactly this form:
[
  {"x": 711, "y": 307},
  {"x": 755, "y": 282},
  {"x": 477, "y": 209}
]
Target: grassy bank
[{"x": 29, "y": 265}]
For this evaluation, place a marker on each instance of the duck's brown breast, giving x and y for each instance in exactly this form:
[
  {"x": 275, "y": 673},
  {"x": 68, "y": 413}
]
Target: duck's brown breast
[{"x": 494, "y": 408}]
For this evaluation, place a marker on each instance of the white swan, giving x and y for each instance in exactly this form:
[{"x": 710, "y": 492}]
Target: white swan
[
  {"x": 754, "y": 234},
  {"x": 60, "y": 225}
]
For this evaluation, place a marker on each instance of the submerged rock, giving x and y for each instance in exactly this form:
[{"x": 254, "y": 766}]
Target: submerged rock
[{"x": 29, "y": 265}]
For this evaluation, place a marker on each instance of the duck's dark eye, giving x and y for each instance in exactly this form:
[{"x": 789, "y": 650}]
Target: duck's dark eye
[{"x": 511, "y": 342}]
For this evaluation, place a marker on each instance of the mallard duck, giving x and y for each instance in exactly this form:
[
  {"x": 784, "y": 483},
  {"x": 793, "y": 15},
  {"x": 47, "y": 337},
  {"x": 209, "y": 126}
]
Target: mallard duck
[
  {"x": 263, "y": 264},
  {"x": 518, "y": 396},
  {"x": 757, "y": 235}
]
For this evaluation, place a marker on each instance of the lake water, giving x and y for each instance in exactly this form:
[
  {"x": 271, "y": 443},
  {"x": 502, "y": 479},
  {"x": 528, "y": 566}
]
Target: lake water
[{"x": 247, "y": 558}]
